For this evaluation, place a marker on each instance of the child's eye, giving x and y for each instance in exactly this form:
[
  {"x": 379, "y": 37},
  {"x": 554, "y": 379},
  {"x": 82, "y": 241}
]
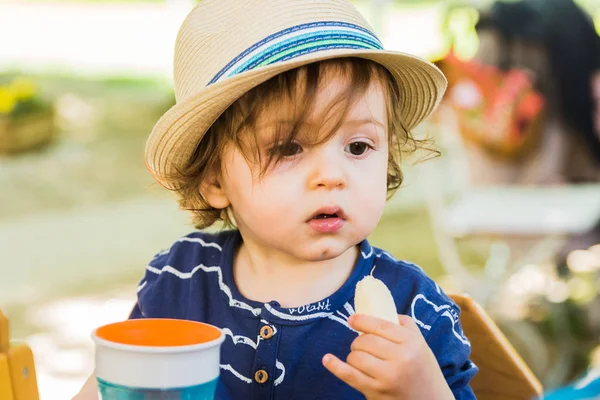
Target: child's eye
[
  {"x": 286, "y": 150},
  {"x": 357, "y": 148}
]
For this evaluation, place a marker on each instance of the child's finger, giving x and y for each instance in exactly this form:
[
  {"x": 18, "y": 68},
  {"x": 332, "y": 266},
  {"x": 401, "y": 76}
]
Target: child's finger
[
  {"x": 367, "y": 363},
  {"x": 375, "y": 345},
  {"x": 379, "y": 327},
  {"x": 407, "y": 322},
  {"x": 348, "y": 373}
]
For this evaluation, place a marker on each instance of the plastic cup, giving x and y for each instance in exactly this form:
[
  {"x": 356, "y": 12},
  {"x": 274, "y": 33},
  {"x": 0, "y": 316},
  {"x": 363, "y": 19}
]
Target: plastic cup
[{"x": 157, "y": 359}]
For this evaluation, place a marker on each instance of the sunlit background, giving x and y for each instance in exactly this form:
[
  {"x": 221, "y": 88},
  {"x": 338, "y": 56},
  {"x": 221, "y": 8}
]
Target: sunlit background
[{"x": 83, "y": 82}]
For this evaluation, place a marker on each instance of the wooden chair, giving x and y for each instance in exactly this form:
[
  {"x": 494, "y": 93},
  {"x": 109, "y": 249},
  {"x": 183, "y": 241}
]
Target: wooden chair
[
  {"x": 17, "y": 371},
  {"x": 503, "y": 375}
]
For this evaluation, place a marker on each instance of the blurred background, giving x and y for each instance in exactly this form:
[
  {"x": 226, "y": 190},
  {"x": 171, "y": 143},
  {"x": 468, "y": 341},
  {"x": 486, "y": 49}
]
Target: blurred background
[{"x": 509, "y": 212}]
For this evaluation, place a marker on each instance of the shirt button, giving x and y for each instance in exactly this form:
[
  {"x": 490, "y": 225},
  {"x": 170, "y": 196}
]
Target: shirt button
[
  {"x": 261, "y": 376},
  {"x": 266, "y": 332}
]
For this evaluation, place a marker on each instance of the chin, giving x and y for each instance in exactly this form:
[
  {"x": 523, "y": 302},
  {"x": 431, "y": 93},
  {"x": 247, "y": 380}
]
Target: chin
[{"x": 325, "y": 251}]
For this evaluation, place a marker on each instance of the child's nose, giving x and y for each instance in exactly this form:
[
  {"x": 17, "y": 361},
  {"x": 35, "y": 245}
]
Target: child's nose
[{"x": 327, "y": 172}]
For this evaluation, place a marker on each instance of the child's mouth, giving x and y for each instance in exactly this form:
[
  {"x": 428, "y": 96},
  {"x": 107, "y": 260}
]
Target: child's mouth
[
  {"x": 325, "y": 216},
  {"x": 328, "y": 220}
]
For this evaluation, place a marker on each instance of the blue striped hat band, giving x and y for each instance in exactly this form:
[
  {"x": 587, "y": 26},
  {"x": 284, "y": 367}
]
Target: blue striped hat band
[{"x": 297, "y": 41}]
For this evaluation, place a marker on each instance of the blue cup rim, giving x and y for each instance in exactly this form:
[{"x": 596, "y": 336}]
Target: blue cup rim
[{"x": 131, "y": 388}]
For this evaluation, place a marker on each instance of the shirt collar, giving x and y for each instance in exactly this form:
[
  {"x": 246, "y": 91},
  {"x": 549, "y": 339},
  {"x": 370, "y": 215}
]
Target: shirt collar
[{"x": 312, "y": 312}]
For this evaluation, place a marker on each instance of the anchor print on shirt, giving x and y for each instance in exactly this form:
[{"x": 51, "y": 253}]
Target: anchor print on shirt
[{"x": 422, "y": 306}]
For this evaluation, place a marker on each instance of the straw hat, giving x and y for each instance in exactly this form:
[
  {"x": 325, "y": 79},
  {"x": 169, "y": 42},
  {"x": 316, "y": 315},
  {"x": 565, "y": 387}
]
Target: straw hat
[{"x": 227, "y": 47}]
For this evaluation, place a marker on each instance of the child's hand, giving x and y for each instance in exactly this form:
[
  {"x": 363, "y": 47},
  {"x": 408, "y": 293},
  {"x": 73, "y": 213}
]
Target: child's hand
[
  {"x": 390, "y": 362},
  {"x": 89, "y": 391}
]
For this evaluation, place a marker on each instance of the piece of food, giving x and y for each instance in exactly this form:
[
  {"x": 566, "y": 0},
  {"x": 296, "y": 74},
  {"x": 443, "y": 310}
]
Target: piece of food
[{"x": 373, "y": 298}]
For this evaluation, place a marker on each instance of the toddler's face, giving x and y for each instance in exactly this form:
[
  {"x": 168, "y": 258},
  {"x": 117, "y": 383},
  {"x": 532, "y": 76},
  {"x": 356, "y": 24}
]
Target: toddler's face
[{"x": 319, "y": 200}]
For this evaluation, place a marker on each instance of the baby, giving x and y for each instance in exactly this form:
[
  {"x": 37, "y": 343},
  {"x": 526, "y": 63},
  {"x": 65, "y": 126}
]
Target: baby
[{"x": 288, "y": 130}]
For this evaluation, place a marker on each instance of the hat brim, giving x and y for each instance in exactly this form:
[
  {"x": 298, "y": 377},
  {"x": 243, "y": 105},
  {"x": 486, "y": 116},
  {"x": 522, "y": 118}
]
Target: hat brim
[{"x": 176, "y": 135}]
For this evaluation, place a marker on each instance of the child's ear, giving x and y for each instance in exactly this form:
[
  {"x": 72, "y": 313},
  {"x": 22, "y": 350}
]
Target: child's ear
[{"x": 213, "y": 192}]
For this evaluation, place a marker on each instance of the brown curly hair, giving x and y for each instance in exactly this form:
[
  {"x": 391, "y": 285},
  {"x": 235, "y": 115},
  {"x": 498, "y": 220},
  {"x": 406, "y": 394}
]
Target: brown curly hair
[{"x": 300, "y": 86}]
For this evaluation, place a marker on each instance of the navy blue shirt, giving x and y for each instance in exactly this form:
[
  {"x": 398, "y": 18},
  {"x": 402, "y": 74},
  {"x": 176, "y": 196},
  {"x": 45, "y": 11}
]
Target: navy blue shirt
[{"x": 194, "y": 280}]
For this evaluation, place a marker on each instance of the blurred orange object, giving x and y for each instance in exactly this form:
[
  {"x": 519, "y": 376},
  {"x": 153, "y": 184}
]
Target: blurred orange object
[
  {"x": 17, "y": 371},
  {"x": 498, "y": 110}
]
